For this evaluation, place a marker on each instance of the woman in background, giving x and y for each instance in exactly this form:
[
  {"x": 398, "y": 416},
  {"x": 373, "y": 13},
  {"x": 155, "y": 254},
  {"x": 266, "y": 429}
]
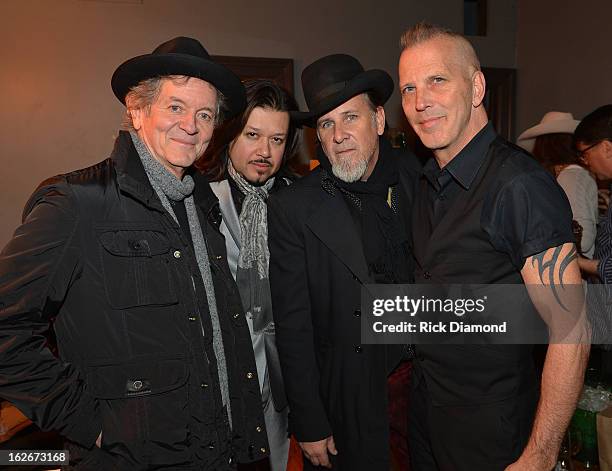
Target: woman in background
[
  {"x": 246, "y": 160},
  {"x": 551, "y": 143}
]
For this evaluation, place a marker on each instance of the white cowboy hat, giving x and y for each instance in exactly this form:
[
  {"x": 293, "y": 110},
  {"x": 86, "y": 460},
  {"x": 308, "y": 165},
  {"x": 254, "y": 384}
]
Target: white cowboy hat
[{"x": 552, "y": 122}]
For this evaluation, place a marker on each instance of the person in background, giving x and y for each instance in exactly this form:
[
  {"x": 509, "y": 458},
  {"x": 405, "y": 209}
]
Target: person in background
[
  {"x": 551, "y": 143},
  {"x": 155, "y": 369},
  {"x": 247, "y": 160},
  {"x": 593, "y": 141}
]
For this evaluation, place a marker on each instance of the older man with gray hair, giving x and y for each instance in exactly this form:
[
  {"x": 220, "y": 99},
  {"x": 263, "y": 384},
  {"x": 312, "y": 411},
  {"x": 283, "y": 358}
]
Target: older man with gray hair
[{"x": 156, "y": 368}]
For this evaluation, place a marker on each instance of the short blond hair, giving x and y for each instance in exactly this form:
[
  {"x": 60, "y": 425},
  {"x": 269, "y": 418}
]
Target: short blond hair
[{"x": 423, "y": 32}]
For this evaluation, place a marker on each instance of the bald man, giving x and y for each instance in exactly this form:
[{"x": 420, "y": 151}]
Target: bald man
[{"x": 485, "y": 212}]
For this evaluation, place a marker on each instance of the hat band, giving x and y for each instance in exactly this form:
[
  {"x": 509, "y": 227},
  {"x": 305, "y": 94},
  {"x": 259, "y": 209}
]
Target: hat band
[{"x": 326, "y": 92}]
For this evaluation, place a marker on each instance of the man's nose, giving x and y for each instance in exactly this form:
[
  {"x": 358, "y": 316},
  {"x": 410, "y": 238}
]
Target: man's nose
[
  {"x": 422, "y": 99},
  {"x": 339, "y": 133},
  {"x": 188, "y": 124},
  {"x": 263, "y": 149}
]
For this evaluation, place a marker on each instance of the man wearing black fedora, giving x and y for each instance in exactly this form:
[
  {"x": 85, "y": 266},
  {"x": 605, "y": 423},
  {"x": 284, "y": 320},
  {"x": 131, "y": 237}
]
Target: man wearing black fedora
[
  {"x": 155, "y": 367},
  {"x": 343, "y": 225}
]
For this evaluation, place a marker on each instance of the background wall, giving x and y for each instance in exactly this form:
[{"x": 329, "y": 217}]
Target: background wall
[
  {"x": 564, "y": 57},
  {"x": 58, "y": 112}
]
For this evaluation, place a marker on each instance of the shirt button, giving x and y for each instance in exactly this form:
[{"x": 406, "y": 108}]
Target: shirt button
[
  {"x": 192, "y": 318},
  {"x": 204, "y": 385},
  {"x": 219, "y": 257},
  {"x": 259, "y": 429},
  {"x": 177, "y": 254},
  {"x": 250, "y": 375},
  {"x": 357, "y": 313},
  {"x": 137, "y": 385},
  {"x": 358, "y": 349},
  {"x": 237, "y": 315},
  {"x": 426, "y": 275},
  {"x": 262, "y": 449}
]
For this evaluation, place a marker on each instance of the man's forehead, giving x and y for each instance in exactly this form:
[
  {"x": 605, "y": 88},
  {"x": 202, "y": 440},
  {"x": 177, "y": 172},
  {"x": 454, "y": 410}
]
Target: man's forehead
[
  {"x": 431, "y": 55},
  {"x": 353, "y": 104}
]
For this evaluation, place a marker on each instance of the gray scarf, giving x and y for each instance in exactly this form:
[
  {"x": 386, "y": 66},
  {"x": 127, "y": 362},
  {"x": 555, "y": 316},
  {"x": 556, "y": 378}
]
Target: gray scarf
[
  {"x": 168, "y": 187},
  {"x": 253, "y": 223}
]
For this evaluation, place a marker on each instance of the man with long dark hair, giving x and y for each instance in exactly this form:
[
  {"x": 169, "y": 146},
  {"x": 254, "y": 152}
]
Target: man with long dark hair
[{"x": 248, "y": 159}]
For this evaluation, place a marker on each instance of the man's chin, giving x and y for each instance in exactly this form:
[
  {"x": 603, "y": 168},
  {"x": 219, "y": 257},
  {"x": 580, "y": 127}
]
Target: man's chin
[
  {"x": 257, "y": 180},
  {"x": 431, "y": 143}
]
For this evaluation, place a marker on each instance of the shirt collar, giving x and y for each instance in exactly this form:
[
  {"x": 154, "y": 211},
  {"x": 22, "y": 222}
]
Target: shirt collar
[{"x": 465, "y": 165}]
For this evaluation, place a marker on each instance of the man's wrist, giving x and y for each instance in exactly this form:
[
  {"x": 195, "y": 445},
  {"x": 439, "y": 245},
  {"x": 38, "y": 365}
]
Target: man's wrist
[{"x": 538, "y": 459}]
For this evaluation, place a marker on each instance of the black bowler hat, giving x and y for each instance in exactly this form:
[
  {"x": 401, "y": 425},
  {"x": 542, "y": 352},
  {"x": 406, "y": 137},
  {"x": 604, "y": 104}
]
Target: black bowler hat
[
  {"x": 332, "y": 80},
  {"x": 180, "y": 56}
]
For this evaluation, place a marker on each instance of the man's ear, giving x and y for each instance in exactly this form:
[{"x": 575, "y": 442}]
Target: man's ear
[
  {"x": 478, "y": 88},
  {"x": 380, "y": 120},
  {"x": 607, "y": 148},
  {"x": 136, "y": 114}
]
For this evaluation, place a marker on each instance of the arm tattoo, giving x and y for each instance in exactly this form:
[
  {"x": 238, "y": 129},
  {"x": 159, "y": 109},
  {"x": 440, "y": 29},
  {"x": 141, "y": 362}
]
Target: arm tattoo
[{"x": 551, "y": 266}]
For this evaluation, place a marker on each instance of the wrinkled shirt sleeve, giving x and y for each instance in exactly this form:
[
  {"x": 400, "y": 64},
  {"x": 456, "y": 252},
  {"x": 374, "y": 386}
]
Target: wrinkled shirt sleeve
[{"x": 528, "y": 215}]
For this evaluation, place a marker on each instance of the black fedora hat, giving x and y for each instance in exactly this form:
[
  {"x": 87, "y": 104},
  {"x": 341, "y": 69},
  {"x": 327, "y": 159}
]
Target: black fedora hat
[
  {"x": 180, "y": 56},
  {"x": 330, "y": 81}
]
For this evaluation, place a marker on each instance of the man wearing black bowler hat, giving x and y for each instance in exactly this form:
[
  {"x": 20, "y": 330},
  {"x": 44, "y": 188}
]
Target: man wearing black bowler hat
[
  {"x": 343, "y": 225},
  {"x": 156, "y": 367}
]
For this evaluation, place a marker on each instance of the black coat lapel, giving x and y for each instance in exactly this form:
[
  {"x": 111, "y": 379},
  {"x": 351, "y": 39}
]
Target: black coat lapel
[{"x": 333, "y": 225}]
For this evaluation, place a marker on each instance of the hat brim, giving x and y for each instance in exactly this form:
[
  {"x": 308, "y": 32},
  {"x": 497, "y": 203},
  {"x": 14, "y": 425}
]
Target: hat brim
[
  {"x": 527, "y": 138},
  {"x": 375, "y": 80},
  {"x": 137, "y": 69}
]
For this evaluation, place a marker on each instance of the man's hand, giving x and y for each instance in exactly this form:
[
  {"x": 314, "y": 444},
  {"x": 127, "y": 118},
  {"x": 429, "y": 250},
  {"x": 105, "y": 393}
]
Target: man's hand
[
  {"x": 316, "y": 452},
  {"x": 532, "y": 462},
  {"x": 588, "y": 266},
  {"x": 99, "y": 441}
]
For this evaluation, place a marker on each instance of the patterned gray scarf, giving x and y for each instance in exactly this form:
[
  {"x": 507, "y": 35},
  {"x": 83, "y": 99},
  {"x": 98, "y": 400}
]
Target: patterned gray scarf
[
  {"x": 253, "y": 223},
  {"x": 168, "y": 187}
]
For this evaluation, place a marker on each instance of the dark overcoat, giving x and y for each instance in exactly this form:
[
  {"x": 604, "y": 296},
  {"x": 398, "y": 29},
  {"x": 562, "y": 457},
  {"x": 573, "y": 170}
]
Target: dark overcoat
[{"x": 334, "y": 384}]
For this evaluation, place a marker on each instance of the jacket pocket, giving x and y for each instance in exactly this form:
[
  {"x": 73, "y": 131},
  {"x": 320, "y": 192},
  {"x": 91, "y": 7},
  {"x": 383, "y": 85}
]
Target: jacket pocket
[
  {"x": 144, "y": 408},
  {"x": 127, "y": 380},
  {"x": 136, "y": 267}
]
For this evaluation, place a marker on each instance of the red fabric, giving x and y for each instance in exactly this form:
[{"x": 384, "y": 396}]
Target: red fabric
[{"x": 399, "y": 393}]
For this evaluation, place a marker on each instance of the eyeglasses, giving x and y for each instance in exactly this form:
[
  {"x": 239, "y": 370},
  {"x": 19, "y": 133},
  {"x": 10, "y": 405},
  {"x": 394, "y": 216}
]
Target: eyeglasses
[{"x": 582, "y": 153}]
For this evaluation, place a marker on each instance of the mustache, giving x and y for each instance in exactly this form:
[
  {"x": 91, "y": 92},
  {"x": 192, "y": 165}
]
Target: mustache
[
  {"x": 338, "y": 150},
  {"x": 261, "y": 161}
]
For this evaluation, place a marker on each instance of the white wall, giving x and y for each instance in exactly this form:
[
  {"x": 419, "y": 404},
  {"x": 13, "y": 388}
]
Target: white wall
[{"x": 58, "y": 112}]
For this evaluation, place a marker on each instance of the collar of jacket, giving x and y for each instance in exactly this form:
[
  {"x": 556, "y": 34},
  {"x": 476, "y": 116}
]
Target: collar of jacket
[{"x": 132, "y": 178}]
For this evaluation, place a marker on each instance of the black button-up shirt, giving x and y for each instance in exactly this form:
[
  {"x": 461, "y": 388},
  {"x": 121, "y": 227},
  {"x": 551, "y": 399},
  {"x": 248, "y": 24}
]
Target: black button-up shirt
[
  {"x": 458, "y": 174},
  {"x": 524, "y": 217}
]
